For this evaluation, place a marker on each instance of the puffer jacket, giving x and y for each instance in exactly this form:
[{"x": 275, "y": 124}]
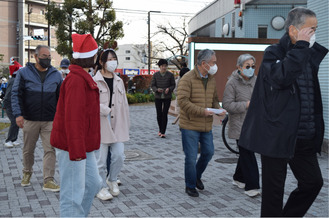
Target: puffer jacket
[
  {"x": 193, "y": 99},
  {"x": 236, "y": 95},
  {"x": 166, "y": 81},
  {"x": 32, "y": 99}
]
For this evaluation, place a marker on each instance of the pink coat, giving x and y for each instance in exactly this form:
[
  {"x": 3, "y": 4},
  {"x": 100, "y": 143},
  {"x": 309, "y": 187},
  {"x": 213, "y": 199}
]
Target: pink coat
[{"x": 118, "y": 130}]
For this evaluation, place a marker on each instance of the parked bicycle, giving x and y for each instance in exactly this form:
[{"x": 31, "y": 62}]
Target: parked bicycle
[{"x": 229, "y": 143}]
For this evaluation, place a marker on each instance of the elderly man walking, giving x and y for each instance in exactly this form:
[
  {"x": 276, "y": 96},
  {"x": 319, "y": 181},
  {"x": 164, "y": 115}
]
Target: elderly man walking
[
  {"x": 34, "y": 98},
  {"x": 196, "y": 94},
  {"x": 284, "y": 122}
]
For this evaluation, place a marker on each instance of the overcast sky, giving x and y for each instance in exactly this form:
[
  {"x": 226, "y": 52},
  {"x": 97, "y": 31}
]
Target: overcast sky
[{"x": 133, "y": 13}]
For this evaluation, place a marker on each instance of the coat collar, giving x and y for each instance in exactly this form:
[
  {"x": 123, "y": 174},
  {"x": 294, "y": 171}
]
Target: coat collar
[
  {"x": 99, "y": 76},
  {"x": 79, "y": 71}
]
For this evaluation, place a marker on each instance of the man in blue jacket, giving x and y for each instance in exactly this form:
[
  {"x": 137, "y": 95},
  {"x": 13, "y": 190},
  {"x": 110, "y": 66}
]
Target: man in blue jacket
[
  {"x": 34, "y": 99},
  {"x": 284, "y": 122}
]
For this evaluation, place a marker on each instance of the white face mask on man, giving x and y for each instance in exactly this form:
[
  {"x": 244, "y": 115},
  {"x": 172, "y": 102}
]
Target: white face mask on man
[
  {"x": 213, "y": 69},
  {"x": 111, "y": 65}
]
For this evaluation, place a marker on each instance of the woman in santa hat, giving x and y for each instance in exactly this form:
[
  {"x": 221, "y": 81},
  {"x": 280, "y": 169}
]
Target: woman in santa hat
[
  {"x": 76, "y": 131},
  {"x": 11, "y": 140}
]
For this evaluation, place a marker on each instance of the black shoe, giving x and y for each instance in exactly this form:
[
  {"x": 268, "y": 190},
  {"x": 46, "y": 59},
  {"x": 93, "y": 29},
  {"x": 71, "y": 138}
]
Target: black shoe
[
  {"x": 199, "y": 184},
  {"x": 192, "y": 192}
]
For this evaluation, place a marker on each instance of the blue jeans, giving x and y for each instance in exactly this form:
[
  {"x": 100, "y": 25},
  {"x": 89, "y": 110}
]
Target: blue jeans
[
  {"x": 116, "y": 164},
  {"x": 80, "y": 182},
  {"x": 193, "y": 168}
]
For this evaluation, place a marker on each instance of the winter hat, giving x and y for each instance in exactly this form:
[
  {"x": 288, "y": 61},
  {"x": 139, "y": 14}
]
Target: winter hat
[
  {"x": 65, "y": 63},
  {"x": 84, "y": 46},
  {"x": 14, "y": 68}
]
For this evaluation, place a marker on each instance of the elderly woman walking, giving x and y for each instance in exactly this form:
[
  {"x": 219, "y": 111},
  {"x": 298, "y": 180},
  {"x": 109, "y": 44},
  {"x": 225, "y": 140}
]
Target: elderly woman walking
[{"x": 236, "y": 99}]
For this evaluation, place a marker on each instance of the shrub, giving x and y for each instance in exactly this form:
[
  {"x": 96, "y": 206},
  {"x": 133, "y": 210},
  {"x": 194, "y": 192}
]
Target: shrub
[
  {"x": 139, "y": 98},
  {"x": 143, "y": 83}
]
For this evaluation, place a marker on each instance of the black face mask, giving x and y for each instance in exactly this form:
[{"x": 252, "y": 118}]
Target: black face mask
[{"x": 45, "y": 63}]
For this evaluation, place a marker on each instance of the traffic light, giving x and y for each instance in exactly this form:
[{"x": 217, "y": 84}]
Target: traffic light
[{"x": 37, "y": 37}]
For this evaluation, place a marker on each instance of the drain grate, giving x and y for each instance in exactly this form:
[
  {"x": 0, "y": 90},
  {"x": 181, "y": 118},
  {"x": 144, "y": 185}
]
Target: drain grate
[
  {"x": 227, "y": 160},
  {"x": 132, "y": 155}
]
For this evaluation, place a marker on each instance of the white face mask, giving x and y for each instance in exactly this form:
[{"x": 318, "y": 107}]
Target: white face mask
[
  {"x": 248, "y": 72},
  {"x": 111, "y": 65},
  {"x": 213, "y": 69},
  {"x": 312, "y": 40},
  {"x": 66, "y": 71}
]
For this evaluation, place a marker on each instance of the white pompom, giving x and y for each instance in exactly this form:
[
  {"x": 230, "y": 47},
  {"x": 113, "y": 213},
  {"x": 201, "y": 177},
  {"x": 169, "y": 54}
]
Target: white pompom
[{"x": 76, "y": 55}]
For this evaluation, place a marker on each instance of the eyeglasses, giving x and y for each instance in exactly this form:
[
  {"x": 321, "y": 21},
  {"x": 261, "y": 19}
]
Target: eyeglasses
[{"x": 253, "y": 67}]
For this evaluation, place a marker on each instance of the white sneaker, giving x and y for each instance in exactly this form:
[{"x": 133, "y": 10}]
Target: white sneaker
[
  {"x": 239, "y": 184},
  {"x": 9, "y": 144},
  {"x": 252, "y": 192},
  {"x": 15, "y": 143},
  {"x": 104, "y": 194},
  {"x": 119, "y": 182},
  {"x": 114, "y": 188}
]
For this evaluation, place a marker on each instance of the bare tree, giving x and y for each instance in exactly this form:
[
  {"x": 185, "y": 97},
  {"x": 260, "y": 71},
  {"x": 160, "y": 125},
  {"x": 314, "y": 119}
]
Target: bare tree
[{"x": 172, "y": 39}]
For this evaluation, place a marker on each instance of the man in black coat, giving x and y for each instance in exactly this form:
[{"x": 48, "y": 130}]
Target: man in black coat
[{"x": 284, "y": 122}]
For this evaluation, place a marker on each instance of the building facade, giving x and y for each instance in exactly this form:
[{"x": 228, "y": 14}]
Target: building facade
[{"x": 19, "y": 20}]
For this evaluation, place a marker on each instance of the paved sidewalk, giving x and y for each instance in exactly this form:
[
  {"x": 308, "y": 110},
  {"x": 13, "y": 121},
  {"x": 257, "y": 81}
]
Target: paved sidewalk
[{"x": 152, "y": 180}]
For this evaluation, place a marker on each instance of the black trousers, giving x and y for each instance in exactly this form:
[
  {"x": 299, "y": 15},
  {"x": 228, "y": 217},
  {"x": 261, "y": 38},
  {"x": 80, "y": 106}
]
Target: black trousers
[
  {"x": 162, "y": 107},
  {"x": 246, "y": 170},
  {"x": 13, "y": 129},
  {"x": 306, "y": 170}
]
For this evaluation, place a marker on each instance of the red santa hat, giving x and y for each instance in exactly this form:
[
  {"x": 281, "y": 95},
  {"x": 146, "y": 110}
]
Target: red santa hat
[
  {"x": 84, "y": 46},
  {"x": 13, "y": 68}
]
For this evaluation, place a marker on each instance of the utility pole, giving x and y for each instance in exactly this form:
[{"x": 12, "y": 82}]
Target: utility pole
[
  {"x": 149, "y": 39},
  {"x": 48, "y": 29},
  {"x": 29, "y": 11}
]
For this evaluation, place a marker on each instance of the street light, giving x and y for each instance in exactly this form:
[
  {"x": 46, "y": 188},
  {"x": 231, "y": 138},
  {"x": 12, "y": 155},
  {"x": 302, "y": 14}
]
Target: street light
[{"x": 149, "y": 39}]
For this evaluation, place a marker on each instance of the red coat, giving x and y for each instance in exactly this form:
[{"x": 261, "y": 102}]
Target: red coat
[{"x": 76, "y": 126}]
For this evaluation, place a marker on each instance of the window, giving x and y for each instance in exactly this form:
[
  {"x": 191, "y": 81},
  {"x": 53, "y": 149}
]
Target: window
[
  {"x": 262, "y": 31},
  {"x": 127, "y": 51},
  {"x": 42, "y": 12},
  {"x": 127, "y": 58}
]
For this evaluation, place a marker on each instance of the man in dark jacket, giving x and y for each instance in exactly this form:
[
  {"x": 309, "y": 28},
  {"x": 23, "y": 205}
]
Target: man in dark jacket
[
  {"x": 34, "y": 99},
  {"x": 284, "y": 122}
]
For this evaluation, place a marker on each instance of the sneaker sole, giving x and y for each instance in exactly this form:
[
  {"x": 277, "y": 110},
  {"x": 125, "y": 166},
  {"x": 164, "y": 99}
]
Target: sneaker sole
[
  {"x": 24, "y": 185},
  {"x": 239, "y": 186},
  {"x": 51, "y": 189},
  {"x": 114, "y": 194},
  {"x": 104, "y": 199}
]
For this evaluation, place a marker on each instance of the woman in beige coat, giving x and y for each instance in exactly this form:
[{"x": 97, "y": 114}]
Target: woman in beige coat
[
  {"x": 236, "y": 99},
  {"x": 114, "y": 117}
]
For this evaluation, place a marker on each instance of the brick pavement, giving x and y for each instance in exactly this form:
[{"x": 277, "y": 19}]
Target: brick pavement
[{"x": 152, "y": 177}]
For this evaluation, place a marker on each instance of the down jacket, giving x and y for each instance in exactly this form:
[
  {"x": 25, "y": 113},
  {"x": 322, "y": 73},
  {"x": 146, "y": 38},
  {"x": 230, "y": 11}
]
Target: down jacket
[
  {"x": 271, "y": 124},
  {"x": 236, "y": 95},
  {"x": 193, "y": 99},
  {"x": 118, "y": 130},
  {"x": 76, "y": 127},
  {"x": 32, "y": 99}
]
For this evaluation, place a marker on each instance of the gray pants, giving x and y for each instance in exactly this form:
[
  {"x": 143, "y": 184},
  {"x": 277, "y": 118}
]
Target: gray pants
[
  {"x": 117, "y": 159},
  {"x": 13, "y": 129}
]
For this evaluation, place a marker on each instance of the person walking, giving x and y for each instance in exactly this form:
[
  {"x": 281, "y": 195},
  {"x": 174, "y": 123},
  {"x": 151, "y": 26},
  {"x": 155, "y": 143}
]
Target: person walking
[
  {"x": 196, "y": 95},
  {"x": 34, "y": 98},
  {"x": 284, "y": 122},
  {"x": 11, "y": 140},
  {"x": 76, "y": 131},
  {"x": 162, "y": 84},
  {"x": 115, "y": 122},
  {"x": 236, "y": 99}
]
